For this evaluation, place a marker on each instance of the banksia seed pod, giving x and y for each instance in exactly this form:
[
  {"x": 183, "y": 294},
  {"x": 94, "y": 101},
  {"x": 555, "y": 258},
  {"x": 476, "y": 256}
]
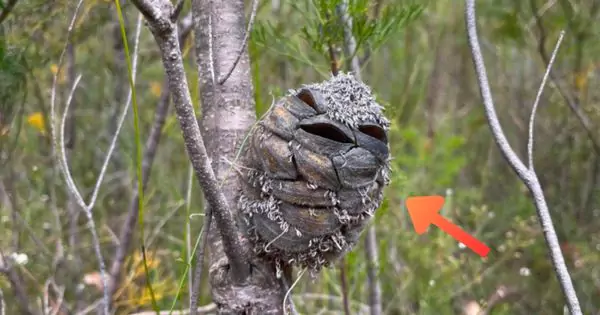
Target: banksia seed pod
[{"x": 317, "y": 165}]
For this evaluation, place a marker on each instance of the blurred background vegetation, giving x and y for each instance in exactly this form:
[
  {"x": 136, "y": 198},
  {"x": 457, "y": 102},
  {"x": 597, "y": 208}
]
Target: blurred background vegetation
[{"x": 414, "y": 55}]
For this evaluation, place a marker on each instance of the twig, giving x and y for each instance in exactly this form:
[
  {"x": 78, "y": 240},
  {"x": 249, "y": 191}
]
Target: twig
[
  {"x": 63, "y": 164},
  {"x": 537, "y": 101},
  {"x": 55, "y": 144},
  {"x": 288, "y": 292},
  {"x": 528, "y": 176},
  {"x": 165, "y": 33},
  {"x": 244, "y": 42},
  {"x": 568, "y": 98}
]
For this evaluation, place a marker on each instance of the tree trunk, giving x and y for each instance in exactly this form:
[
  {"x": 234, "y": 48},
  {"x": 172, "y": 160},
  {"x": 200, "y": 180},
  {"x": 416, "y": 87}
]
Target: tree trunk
[{"x": 228, "y": 112}]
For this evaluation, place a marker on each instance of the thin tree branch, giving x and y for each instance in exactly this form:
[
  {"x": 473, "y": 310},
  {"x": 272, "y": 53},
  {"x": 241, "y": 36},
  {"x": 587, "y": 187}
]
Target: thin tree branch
[
  {"x": 567, "y": 96},
  {"x": 528, "y": 176},
  {"x": 537, "y": 101},
  {"x": 244, "y": 42},
  {"x": 62, "y": 159},
  {"x": 165, "y": 33}
]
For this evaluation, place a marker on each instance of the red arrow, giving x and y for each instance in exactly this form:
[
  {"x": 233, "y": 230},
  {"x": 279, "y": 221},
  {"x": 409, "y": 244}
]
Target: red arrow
[{"x": 423, "y": 211}]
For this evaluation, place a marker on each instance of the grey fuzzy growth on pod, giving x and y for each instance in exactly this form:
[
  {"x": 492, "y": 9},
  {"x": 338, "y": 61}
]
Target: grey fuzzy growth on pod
[{"x": 317, "y": 164}]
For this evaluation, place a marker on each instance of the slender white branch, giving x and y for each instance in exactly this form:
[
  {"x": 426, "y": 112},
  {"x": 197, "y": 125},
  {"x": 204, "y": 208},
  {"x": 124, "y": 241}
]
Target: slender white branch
[
  {"x": 113, "y": 143},
  {"x": 528, "y": 176},
  {"x": 537, "y": 101},
  {"x": 62, "y": 156}
]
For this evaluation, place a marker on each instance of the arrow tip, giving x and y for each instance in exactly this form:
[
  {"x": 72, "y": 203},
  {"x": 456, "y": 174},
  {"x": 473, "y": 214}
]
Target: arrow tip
[{"x": 423, "y": 210}]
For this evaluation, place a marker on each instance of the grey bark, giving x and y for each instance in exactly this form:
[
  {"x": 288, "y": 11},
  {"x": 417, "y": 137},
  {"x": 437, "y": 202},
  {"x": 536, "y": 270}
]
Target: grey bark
[
  {"x": 228, "y": 113},
  {"x": 229, "y": 110}
]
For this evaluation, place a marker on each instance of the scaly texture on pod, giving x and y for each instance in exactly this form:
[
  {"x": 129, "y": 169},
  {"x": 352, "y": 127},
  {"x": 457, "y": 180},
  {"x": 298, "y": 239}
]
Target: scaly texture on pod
[{"x": 317, "y": 163}]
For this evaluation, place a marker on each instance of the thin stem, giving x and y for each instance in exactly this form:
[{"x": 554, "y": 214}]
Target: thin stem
[{"x": 537, "y": 100}]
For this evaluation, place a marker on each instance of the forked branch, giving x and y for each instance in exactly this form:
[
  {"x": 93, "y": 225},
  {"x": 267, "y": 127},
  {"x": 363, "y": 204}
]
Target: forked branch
[
  {"x": 158, "y": 14},
  {"x": 526, "y": 174}
]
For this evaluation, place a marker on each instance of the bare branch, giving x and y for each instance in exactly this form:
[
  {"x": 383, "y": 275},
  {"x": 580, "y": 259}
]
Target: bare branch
[
  {"x": 567, "y": 96},
  {"x": 528, "y": 176},
  {"x": 537, "y": 101},
  {"x": 288, "y": 292},
  {"x": 244, "y": 42},
  {"x": 165, "y": 33},
  {"x": 63, "y": 164}
]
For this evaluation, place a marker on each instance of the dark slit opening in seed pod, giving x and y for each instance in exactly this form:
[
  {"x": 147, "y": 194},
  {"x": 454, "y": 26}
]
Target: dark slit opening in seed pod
[
  {"x": 311, "y": 99},
  {"x": 327, "y": 131},
  {"x": 374, "y": 131}
]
